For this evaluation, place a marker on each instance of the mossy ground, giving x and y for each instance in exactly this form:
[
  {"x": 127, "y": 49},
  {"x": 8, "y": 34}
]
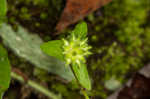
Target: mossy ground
[{"x": 119, "y": 34}]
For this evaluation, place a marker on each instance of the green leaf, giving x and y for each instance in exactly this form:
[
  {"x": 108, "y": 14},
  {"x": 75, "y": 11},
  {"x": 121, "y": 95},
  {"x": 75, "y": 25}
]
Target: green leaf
[
  {"x": 4, "y": 71},
  {"x": 27, "y": 46},
  {"x": 3, "y": 9},
  {"x": 82, "y": 76},
  {"x": 53, "y": 48},
  {"x": 80, "y": 30}
]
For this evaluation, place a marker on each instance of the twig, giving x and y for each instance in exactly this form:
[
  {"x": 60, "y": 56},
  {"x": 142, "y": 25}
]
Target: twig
[{"x": 36, "y": 86}]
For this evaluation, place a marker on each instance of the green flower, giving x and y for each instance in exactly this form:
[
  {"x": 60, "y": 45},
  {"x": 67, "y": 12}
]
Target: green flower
[{"x": 76, "y": 50}]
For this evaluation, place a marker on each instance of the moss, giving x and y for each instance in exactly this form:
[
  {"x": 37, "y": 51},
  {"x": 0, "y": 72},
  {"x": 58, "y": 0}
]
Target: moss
[
  {"x": 118, "y": 32},
  {"x": 119, "y": 50}
]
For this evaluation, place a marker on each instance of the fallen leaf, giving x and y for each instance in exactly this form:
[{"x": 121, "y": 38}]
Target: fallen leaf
[{"x": 76, "y": 10}]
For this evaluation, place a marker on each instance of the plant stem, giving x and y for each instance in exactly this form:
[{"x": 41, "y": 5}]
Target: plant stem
[
  {"x": 85, "y": 94},
  {"x": 36, "y": 86}
]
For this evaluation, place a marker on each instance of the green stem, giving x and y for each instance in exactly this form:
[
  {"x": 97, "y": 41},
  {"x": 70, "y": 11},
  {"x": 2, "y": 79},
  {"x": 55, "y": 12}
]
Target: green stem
[
  {"x": 1, "y": 95},
  {"x": 85, "y": 94},
  {"x": 36, "y": 86}
]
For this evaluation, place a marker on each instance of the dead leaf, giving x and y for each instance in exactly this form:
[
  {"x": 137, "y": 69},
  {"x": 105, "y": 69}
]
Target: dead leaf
[{"x": 76, "y": 10}]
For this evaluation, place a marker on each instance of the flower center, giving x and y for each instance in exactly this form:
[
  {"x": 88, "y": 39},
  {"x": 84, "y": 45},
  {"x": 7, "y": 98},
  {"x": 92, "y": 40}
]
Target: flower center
[{"x": 75, "y": 50}]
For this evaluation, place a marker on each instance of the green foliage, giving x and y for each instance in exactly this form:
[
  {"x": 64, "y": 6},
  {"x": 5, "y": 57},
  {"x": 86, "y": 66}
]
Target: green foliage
[
  {"x": 3, "y": 9},
  {"x": 80, "y": 30},
  {"x": 66, "y": 91},
  {"x": 82, "y": 75},
  {"x": 123, "y": 41},
  {"x": 54, "y": 48},
  {"x": 4, "y": 71},
  {"x": 27, "y": 46},
  {"x": 129, "y": 34},
  {"x": 119, "y": 35},
  {"x": 114, "y": 62},
  {"x": 75, "y": 50}
]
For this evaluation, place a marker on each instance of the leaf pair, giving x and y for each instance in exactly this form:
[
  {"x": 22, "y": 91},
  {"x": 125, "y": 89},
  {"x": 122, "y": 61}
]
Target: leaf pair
[{"x": 55, "y": 48}]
